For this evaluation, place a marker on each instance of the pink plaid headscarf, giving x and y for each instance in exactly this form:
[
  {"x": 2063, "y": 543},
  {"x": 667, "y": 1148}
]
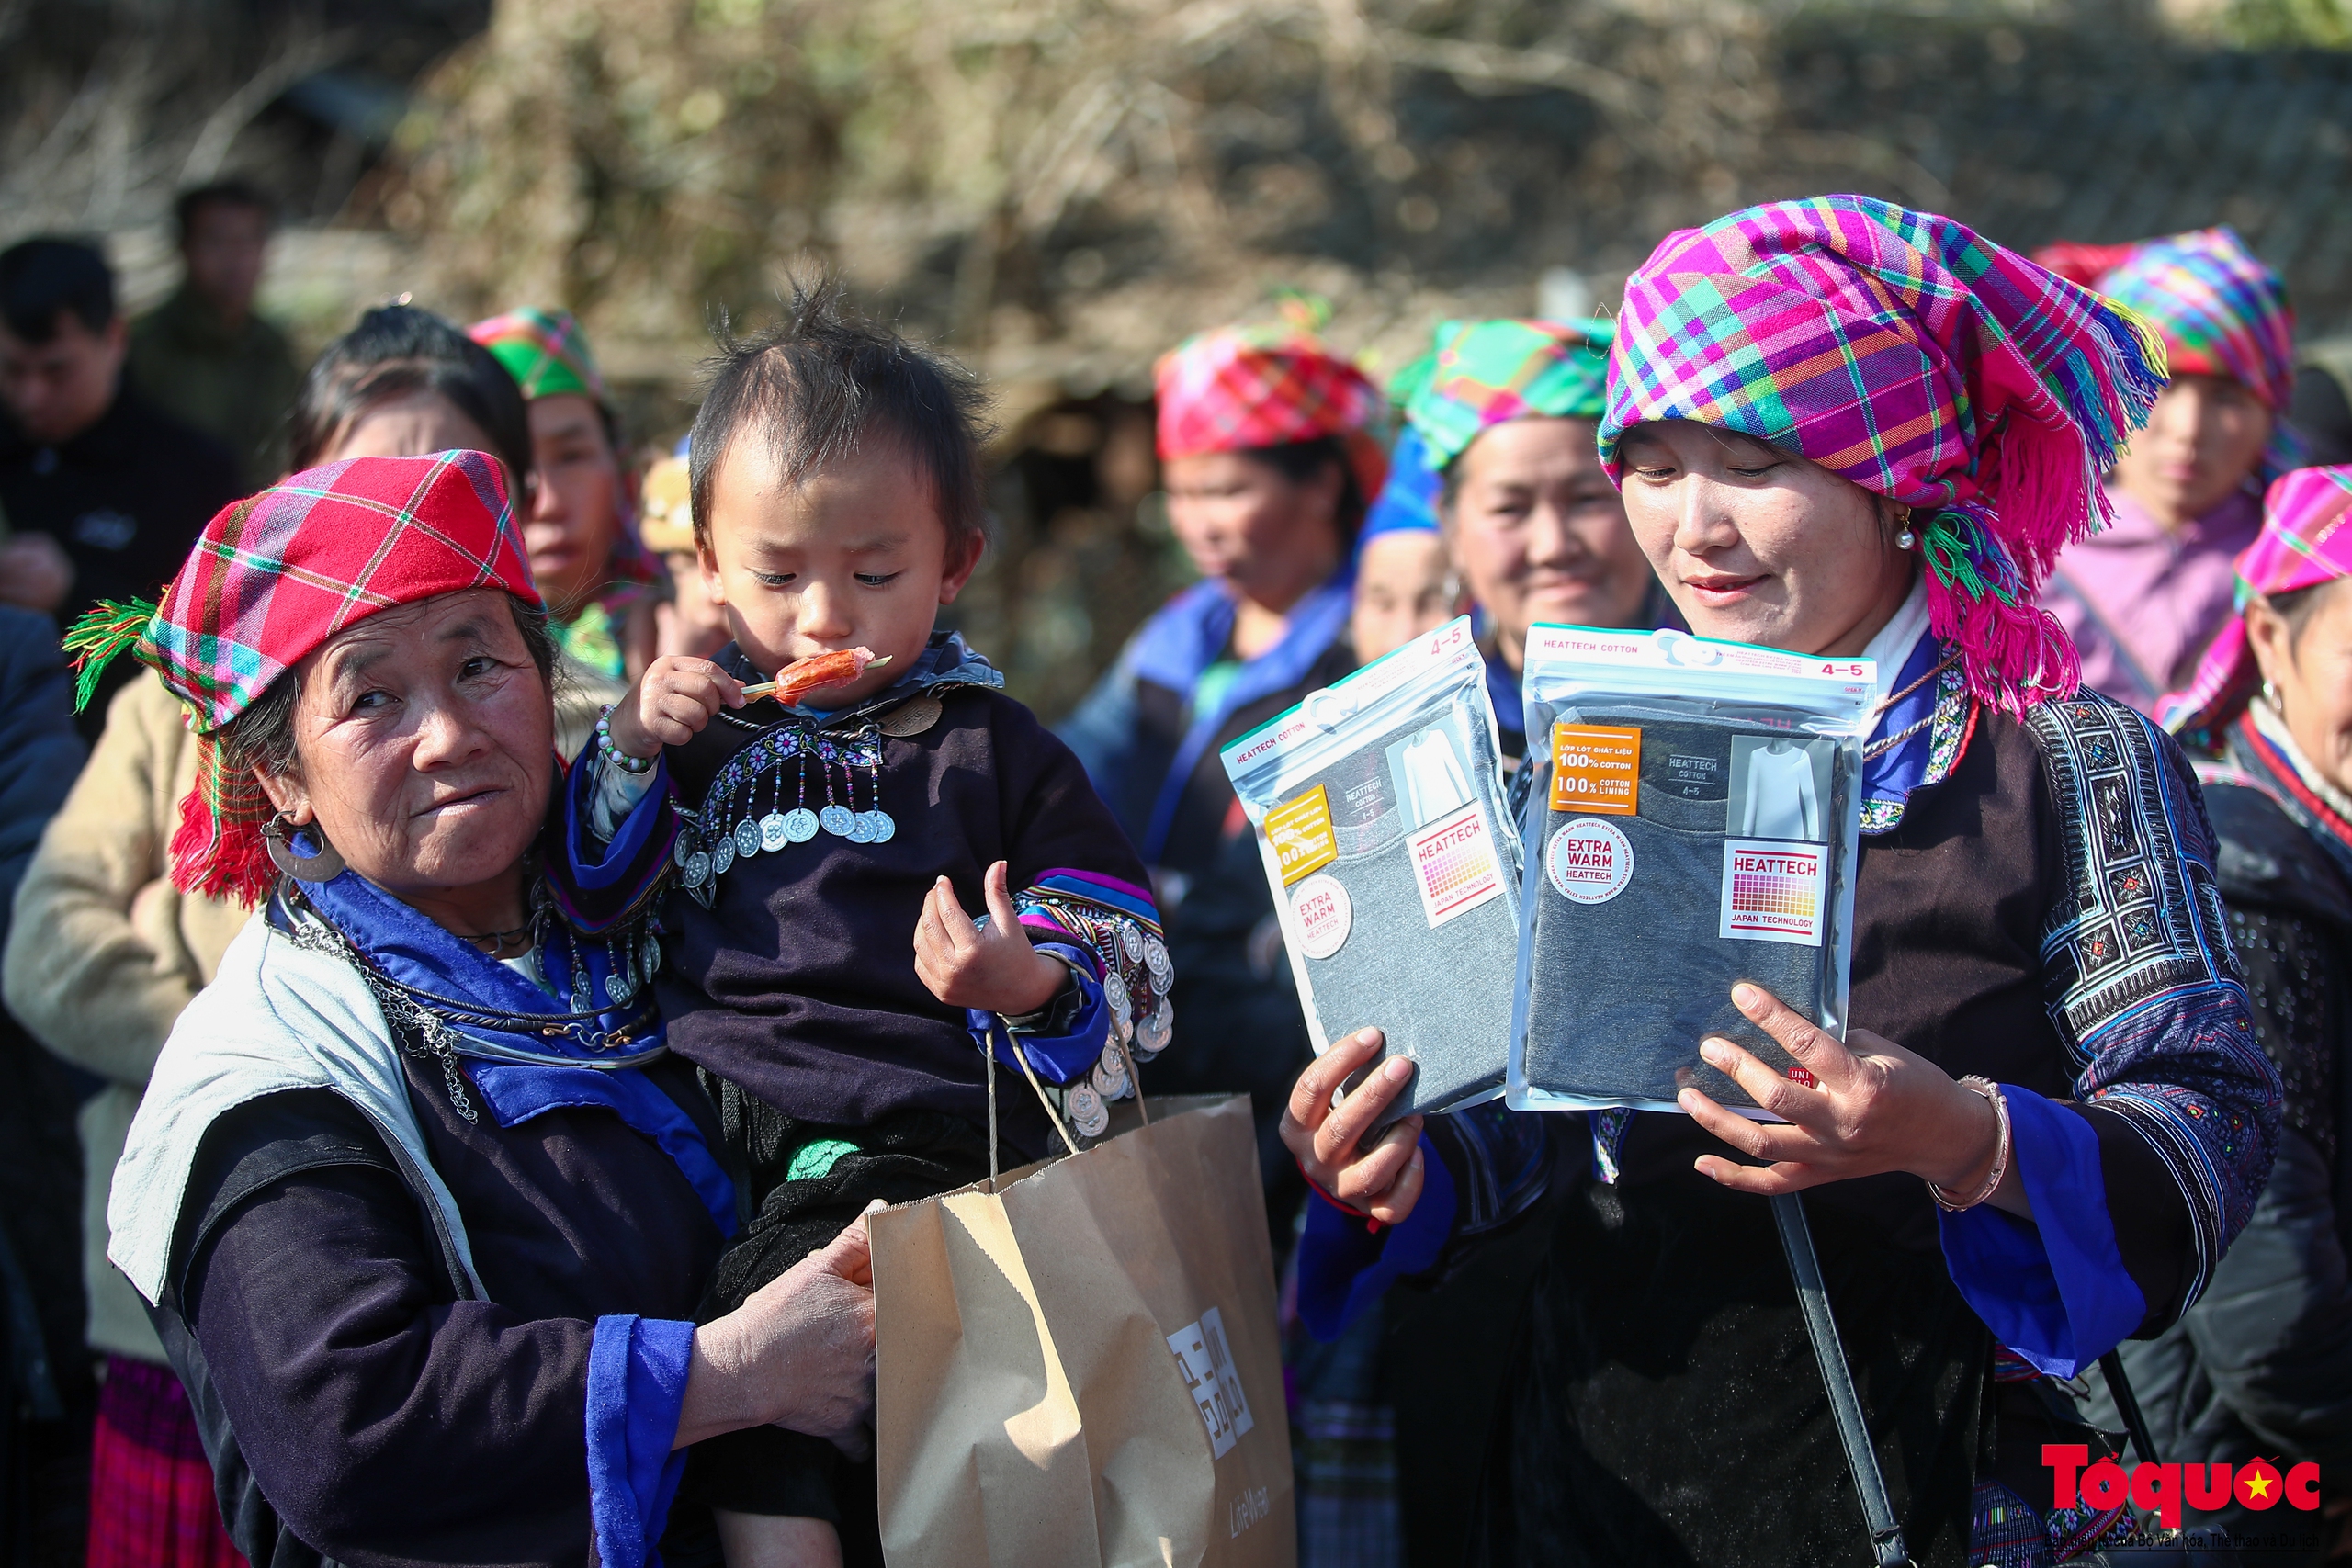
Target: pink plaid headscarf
[
  {"x": 1237, "y": 389},
  {"x": 1927, "y": 365},
  {"x": 2306, "y": 540}
]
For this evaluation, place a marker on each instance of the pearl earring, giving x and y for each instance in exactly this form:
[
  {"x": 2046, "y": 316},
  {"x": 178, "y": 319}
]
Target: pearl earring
[
  {"x": 1906, "y": 539},
  {"x": 2270, "y": 695}
]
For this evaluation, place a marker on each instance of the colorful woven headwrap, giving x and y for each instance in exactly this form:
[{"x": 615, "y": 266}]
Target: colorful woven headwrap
[
  {"x": 1238, "y": 389},
  {"x": 547, "y": 355},
  {"x": 2222, "y": 311},
  {"x": 1923, "y": 363},
  {"x": 1483, "y": 373},
  {"x": 544, "y": 351},
  {"x": 2306, "y": 540},
  {"x": 271, "y": 579}
]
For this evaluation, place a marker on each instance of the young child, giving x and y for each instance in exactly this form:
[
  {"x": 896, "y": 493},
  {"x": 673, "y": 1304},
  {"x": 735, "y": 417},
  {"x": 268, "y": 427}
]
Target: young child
[{"x": 823, "y": 966}]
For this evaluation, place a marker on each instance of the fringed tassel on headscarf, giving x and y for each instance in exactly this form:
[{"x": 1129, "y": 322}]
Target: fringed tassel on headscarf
[
  {"x": 2013, "y": 653},
  {"x": 101, "y": 633},
  {"x": 218, "y": 850},
  {"x": 2041, "y": 489}
]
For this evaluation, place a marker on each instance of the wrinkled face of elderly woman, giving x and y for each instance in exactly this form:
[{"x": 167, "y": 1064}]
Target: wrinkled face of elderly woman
[
  {"x": 1759, "y": 545},
  {"x": 423, "y": 740}
]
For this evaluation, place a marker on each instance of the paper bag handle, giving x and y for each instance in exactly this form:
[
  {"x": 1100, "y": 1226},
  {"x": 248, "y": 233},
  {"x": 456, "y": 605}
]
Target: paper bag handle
[{"x": 1135, "y": 1079}]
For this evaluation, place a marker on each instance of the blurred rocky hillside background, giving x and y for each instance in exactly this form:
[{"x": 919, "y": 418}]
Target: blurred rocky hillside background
[{"x": 1060, "y": 189}]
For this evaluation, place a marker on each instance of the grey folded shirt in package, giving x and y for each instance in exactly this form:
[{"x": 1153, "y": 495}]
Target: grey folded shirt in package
[
  {"x": 1693, "y": 821},
  {"x": 1380, "y": 813}
]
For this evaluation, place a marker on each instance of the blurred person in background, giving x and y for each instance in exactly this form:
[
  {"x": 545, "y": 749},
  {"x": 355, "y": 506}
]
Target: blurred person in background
[
  {"x": 1495, "y": 485},
  {"x": 1406, "y": 584},
  {"x": 581, "y": 522},
  {"x": 2321, "y": 409},
  {"x": 205, "y": 356},
  {"x": 1508, "y": 412},
  {"x": 104, "y": 491},
  {"x": 106, "y": 952},
  {"x": 689, "y": 622},
  {"x": 2142, "y": 597},
  {"x": 2263, "y": 1362},
  {"x": 1269, "y": 462},
  {"x": 47, "y": 1392}
]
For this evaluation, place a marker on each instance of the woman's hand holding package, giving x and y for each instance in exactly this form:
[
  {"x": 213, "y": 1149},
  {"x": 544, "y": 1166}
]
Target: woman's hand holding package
[
  {"x": 1873, "y": 1107},
  {"x": 798, "y": 1353},
  {"x": 994, "y": 970},
  {"x": 670, "y": 704},
  {"x": 1382, "y": 1180}
]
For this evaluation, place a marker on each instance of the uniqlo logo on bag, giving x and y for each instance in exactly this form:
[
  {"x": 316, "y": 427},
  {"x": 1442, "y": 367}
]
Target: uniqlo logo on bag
[
  {"x": 1454, "y": 864},
  {"x": 1207, "y": 1362}
]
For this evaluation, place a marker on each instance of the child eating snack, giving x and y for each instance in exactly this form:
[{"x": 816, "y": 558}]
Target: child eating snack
[{"x": 821, "y": 966}]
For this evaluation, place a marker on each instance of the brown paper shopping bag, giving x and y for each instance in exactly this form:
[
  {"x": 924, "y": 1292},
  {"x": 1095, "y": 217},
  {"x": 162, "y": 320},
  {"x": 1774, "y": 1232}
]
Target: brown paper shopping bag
[{"x": 1080, "y": 1369}]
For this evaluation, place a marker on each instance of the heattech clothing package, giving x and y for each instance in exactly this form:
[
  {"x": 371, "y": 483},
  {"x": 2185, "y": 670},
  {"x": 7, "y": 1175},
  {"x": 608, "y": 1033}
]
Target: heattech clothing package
[
  {"x": 1693, "y": 821},
  {"x": 1380, "y": 813}
]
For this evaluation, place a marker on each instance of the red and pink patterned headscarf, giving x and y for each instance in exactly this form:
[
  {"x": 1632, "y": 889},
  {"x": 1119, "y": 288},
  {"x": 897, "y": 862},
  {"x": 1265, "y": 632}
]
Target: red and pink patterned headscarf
[
  {"x": 1238, "y": 389},
  {"x": 1925, "y": 363},
  {"x": 2221, "y": 310},
  {"x": 271, "y": 579},
  {"x": 2306, "y": 540}
]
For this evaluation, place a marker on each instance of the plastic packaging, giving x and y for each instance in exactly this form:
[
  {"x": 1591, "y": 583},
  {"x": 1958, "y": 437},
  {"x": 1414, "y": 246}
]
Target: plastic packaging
[
  {"x": 1693, "y": 816},
  {"x": 1379, "y": 807}
]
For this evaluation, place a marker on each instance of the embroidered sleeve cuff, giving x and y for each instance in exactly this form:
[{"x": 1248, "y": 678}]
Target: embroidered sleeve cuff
[
  {"x": 617, "y": 793},
  {"x": 2053, "y": 1289},
  {"x": 636, "y": 1384},
  {"x": 600, "y": 877},
  {"x": 1063, "y": 1039},
  {"x": 1344, "y": 1266}
]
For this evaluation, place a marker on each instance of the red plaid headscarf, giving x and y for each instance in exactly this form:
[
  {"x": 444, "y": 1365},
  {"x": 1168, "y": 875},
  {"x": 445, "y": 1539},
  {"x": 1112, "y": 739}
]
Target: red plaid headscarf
[
  {"x": 273, "y": 578},
  {"x": 1238, "y": 389}
]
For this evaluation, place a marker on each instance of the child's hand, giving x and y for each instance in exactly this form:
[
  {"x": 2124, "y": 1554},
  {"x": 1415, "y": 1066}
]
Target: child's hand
[
  {"x": 670, "y": 704},
  {"x": 994, "y": 970}
]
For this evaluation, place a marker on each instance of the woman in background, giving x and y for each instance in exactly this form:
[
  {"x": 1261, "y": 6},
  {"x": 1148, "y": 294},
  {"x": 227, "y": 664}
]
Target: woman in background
[
  {"x": 598, "y": 577},
  {"x": 106, "y": 953},
  {"x": 2263, "y": 1362},
  {"x": 1269, "y": 461},
  {"x": 1508, "y": 412},
  {"x": 2142, "y": 596}
]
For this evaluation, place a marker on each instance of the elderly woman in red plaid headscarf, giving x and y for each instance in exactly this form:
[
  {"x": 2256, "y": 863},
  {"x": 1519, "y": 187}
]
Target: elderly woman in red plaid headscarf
[{"x": 420, "y": 1206}]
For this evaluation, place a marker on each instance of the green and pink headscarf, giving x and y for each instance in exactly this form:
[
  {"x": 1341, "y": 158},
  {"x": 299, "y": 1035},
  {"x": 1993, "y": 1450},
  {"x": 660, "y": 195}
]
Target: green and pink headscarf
[
  {"x": 1924, "y": 362},
  {"x": 2306, "y": 540},
  {"x": 546, "y": 353}
]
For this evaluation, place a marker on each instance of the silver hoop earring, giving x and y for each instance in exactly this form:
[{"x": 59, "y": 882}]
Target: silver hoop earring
[
  {"x": 300, "y": 850},
  {"x": 2271, "y": 696}
]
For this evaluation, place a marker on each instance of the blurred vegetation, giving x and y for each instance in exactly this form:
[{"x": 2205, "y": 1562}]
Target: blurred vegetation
[{"x": 1059, "y": 190}]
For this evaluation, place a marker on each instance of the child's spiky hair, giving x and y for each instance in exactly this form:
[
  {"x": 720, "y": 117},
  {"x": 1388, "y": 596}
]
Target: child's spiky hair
[{"x": 819, "y": 381}]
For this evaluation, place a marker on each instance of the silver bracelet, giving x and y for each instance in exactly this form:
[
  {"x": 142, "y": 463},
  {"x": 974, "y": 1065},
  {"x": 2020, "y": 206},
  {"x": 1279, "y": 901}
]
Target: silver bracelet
[{"x": 1991, "y": 1091}]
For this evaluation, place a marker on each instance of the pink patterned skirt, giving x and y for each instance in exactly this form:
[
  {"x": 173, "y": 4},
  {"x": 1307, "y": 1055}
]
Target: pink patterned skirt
[{"x": 151, "y": 1504}]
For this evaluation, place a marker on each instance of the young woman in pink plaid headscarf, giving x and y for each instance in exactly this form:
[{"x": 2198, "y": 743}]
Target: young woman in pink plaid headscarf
[
  {"x": 2142, "y": 596},
  {"x": 1850, "y": 430}
]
